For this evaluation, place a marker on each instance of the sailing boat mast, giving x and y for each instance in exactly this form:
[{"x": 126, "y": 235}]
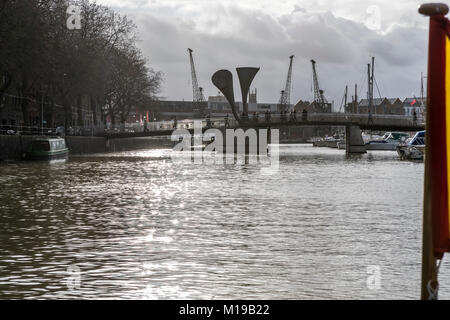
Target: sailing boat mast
[
  {"x": 346, "y": 97},
  {"x": 421, "y": 88},
  {"x": 370, "y": 80}
]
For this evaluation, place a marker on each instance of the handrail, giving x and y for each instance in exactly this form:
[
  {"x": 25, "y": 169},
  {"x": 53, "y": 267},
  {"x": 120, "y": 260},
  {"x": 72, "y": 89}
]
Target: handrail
[{"x": 211, "y": 122}]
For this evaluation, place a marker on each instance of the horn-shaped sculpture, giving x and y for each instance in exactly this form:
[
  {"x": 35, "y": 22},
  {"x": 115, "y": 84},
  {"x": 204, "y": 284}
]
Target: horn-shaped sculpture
[
  {"x": 223, "y": 80},
  {"x": 246, "y": 76}
]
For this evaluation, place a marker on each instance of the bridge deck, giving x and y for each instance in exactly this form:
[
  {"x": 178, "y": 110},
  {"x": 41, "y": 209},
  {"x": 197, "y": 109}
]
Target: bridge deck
[{"x": 376, "y": 122}]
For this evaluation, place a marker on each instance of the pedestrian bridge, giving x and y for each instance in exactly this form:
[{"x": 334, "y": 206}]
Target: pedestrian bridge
[
  {"x": 363, "y": 121},
  {"x": 353, "y": 123}
]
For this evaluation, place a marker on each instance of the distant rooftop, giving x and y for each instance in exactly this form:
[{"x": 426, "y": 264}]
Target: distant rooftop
[{"x": 375, "y": 102}]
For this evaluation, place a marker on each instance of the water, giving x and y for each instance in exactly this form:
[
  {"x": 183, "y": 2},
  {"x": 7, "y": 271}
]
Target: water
[{"x": 135, "y": 225}]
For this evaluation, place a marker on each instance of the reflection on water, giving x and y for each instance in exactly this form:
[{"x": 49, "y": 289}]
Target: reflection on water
[{"x": 137, "y": 225}]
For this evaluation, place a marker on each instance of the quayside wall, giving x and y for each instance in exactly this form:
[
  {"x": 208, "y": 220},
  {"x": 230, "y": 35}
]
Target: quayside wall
[{"x": 13, "y": 146}]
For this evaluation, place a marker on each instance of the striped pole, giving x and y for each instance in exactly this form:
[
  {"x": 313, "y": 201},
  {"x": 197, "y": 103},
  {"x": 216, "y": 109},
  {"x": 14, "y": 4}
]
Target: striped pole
[{"x": 436, "y": 205}]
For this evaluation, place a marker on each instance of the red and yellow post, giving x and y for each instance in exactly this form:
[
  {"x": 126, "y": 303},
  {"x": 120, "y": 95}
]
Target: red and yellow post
[{"x": 437, "y": 157}]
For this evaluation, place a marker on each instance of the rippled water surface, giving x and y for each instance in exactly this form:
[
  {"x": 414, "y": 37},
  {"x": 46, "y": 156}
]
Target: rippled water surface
[{"x": 137, "y": 225}]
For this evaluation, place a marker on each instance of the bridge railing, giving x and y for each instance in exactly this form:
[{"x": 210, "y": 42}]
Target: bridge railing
[
  {"x": 263, "y": 118},
  {"x": 361, "y": 118},
  {"x": 26, "y": 130},
  {"x": 51, "y": 131},
  {"x": 277, "y": 118}
]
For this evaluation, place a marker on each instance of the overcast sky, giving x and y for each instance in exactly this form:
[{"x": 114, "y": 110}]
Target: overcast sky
[{"x": 341, "y": 35}]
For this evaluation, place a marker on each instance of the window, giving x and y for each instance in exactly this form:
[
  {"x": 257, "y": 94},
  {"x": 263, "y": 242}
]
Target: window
[{"x": 40, "y": 146}]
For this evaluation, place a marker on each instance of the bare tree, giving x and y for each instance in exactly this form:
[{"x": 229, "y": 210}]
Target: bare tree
[{"x": 96, "y": 69}]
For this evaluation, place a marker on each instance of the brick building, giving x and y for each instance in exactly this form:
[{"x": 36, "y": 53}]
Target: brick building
[{"x": 381, "y": 106}]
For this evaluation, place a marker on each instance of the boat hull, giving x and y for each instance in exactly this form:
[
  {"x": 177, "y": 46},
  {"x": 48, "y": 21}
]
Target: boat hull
[
  {"x": 47, "y": 156},
  {"x": 408, "y": 152},
  {"x": 327, "y": 143},
  {"x": 381, "y": 146}
]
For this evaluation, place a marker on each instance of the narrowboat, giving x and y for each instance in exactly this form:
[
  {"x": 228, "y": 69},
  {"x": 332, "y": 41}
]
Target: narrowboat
[{"x": 47, "y": 148}]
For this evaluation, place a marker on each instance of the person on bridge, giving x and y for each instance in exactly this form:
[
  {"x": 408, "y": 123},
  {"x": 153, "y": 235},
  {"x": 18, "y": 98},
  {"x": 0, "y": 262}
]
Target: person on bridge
[
  {"x": 294, "y": 115},
  {"x": 414, "y": 116},
  {"x": 227, "y": 121},
  {"x": 304, "y": 115},
  {"x": 208, "y": 121},
  {"x": 145, "y": 125},
  {"x": 255, "y": 117},
  {"x": 175, "y": 123}
]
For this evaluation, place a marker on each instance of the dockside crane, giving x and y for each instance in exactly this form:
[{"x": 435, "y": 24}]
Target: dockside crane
[
  {"x": 285, "y": 99},
  {"x": 197, "y": 91},
  {"x": 319, "y": 98}
]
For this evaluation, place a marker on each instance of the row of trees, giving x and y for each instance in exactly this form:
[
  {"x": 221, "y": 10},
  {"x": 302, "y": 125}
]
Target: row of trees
[{"x": 98, "y": 65}]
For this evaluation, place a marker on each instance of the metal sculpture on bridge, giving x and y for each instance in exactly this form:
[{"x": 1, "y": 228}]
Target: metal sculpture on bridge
[{"x": 223, "y": 80}]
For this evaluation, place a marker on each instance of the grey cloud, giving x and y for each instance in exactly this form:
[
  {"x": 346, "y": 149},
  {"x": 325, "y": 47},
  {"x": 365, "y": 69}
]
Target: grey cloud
[
  {"x": 299, "y": 9},
  {"x": 342, "y": 48}
]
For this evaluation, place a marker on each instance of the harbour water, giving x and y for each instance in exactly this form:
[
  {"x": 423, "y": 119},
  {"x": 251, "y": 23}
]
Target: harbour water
[{"x": 135, "y": 225}]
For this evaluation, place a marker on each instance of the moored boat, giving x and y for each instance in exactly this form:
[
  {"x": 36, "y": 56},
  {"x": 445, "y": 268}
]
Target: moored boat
[
  {"x": 414, "y": 149},
  {"x": 47, "y": 148},
  {"x": 328, "y": 142},
  {"x": 389, "y": 141}
]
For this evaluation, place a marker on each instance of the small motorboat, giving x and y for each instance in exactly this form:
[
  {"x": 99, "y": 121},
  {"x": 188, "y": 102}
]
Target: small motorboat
[
  {"x": 414, "y": 149},
  {"x": 329, "y": 142},
  {"x": 389, "y": 141},
  {"x": 47, "y": 148}
]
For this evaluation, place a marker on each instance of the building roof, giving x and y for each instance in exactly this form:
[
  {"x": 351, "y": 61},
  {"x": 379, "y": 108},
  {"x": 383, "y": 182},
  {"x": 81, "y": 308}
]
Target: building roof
[
  {"x": 408, "y": 101},
  {"x": 376, "y": 102},
  {"x": 218, "y": 98},
  {"x": 394, "y": 100},
  {"x": 301, "y": 103}
]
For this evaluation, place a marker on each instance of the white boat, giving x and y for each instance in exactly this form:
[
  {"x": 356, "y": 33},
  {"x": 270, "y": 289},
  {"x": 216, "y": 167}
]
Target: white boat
[
  {"x": 369, "y": 137},
  {"x": 329, "y": 142},
  {"x": 389, "y": 141},
  {"x": 414, "y": 149}
]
